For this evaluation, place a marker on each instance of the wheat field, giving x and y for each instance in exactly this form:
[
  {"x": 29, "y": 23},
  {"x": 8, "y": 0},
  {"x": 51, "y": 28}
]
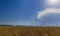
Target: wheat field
[{"x": 29, "y": 31}]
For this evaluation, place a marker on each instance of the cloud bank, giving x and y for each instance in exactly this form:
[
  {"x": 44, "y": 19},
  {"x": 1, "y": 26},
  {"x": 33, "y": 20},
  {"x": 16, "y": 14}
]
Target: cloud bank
[{"x": 41, "y": 14}]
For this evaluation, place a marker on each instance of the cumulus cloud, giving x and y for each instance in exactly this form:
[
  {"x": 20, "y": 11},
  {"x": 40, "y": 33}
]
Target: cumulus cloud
[{"x": 42, "y": 13}]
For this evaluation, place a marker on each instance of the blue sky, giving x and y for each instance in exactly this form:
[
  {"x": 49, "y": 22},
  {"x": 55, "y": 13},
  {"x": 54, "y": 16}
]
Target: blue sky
[
  {"x": 12, "y": 11},
  {"x": 25, "y": 12}
]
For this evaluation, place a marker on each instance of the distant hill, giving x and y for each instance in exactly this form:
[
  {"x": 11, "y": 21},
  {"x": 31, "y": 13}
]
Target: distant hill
[{"x": 6, "y": 25}]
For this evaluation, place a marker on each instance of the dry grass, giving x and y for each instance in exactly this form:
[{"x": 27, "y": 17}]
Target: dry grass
[{"x": 29, "y": 31}]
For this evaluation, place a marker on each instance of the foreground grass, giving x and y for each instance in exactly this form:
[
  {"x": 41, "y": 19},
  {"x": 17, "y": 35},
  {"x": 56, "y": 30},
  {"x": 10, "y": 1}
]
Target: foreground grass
[{"x": 29, "y": 31}]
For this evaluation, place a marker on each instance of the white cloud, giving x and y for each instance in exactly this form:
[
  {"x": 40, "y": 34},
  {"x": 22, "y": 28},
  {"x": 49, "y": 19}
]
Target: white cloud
[
  {"x": 52, "y": 3},
  {"x": 46, "y": 11}
]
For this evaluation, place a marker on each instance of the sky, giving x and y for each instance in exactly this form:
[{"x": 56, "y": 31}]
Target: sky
[{"x": 29, "y": 12}]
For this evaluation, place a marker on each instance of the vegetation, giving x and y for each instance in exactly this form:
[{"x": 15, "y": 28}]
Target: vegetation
[{"x": 29, "y": 31}]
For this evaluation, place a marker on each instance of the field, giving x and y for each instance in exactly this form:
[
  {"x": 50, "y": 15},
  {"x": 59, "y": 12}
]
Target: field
[{"x": 29, "y": 31}]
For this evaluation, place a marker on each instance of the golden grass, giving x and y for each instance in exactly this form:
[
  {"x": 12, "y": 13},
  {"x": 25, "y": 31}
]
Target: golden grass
[{"x": 29, "y": 31}]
